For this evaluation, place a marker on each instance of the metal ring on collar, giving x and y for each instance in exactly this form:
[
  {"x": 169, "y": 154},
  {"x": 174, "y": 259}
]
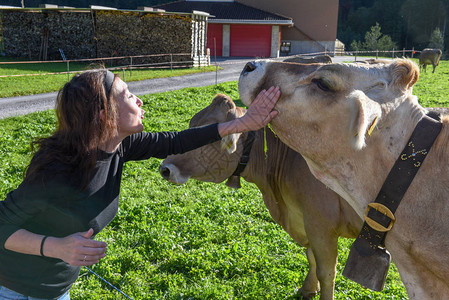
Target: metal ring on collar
[{"x": 382, "y": 209}]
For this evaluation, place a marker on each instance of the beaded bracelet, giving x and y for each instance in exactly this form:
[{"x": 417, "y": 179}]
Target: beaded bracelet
[{"x": 42, "y": 245}]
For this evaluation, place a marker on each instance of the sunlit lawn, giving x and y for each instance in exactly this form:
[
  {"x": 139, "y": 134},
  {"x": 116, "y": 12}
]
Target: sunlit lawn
[{"x": 198, "y": 240}]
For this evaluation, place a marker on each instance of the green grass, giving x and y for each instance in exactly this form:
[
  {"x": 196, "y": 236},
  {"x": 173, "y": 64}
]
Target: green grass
[
  {"x": 37, "y": 84},
  {"x": 432, "y": 89},
  {"x": 198, "y": 240}
]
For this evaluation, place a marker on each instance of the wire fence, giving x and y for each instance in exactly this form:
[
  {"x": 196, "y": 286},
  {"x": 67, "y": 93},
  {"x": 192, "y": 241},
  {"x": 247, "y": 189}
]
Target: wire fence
[
  {"x": 394, "y": 53},
  {"x": 178, "y": 60},
  {"x": 129, "y": 63}
]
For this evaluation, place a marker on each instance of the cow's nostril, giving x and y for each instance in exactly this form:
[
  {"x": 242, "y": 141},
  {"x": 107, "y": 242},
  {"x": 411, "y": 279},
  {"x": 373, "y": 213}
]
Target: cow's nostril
[
  {"x": 249, "y": 67},
  {"x": 165, "y": 172}
]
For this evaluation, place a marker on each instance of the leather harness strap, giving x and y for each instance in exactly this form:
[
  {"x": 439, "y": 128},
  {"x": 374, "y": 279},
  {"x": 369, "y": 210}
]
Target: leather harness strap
[
  {"x": 248, "y": 144},
  {"x": 379, "y": 216}
]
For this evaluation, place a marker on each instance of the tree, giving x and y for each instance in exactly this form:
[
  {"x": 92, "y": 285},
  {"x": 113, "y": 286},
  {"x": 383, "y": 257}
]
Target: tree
[
  {"x": 436, "y": 39},
  {"x": 356, "y": 46},
  {"x": 372, "y": 37},
  {"x": 357, "y": 16},
  {"x": 385, "y": 43},
  {"x": 374, "y": 40}
]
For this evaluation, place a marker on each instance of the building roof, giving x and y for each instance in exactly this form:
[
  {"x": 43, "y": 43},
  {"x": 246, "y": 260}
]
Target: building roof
[
  {"x": 227, "y": 12},
  {"x": 47, "y": 7}
]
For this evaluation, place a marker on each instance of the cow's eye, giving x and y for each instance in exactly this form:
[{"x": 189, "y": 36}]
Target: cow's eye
[{"x": 323, "y": 85}]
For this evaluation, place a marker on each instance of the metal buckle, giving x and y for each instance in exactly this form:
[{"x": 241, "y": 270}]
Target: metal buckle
[{"x": 383, "y": 209}]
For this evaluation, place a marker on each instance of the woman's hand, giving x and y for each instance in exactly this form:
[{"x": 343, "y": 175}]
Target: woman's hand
[
  {"x": 259, "y": 114},
  {"x": 261, "y": 111},
  {"x": 76, "y": 249}
]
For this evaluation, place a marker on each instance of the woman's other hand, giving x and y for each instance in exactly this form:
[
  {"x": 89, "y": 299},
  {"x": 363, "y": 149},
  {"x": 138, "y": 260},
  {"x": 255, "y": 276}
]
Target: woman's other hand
[{"x": 76, "y": 249}]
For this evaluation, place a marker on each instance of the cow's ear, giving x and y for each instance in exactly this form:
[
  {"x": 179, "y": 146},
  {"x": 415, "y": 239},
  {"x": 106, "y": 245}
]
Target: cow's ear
[
  {"x": 405, "y": 73},
  {"x": 364, "y": 115},
  {"x": 229, "y": 142}
]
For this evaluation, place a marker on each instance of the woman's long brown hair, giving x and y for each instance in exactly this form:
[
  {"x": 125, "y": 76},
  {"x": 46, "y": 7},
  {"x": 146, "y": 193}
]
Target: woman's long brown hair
[{"x": 81, "y": 128}]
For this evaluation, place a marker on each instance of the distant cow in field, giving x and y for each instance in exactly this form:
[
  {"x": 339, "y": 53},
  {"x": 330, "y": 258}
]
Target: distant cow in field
[
  {"x": 313, "y": 215},
  {"x": 429, "y": 57},
  {"x": 326, "y": 59}
]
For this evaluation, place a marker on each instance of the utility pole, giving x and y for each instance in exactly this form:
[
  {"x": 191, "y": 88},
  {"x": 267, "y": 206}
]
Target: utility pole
[{"x": 23, "y": 3}]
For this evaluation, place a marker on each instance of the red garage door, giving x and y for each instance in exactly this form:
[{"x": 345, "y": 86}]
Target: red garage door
[
  {"x": 250, "y": 40},
  {"x": 215, "y": 31}
]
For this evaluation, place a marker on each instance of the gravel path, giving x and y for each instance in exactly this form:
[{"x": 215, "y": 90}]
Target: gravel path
[{"x": 23, "y": 105}]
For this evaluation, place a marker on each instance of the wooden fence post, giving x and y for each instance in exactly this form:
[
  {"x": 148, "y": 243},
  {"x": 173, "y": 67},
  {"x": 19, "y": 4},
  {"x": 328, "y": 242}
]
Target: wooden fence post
[
  {"x": 215, "y": 58},
  {"x": 68, "y": 72}
]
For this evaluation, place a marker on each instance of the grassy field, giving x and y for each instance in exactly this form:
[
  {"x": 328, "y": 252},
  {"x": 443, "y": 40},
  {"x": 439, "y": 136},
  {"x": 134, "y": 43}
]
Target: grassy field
[
  {"x": 198, "y": 240},
  {"x": 41, "y": 83}
]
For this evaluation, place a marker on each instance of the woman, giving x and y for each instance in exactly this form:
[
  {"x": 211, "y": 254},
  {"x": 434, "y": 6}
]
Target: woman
[{"x": 71, "y": 188}]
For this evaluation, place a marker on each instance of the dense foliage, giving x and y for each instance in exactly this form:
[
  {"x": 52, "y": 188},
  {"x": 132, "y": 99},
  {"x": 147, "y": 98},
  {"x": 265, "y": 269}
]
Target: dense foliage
[
  {"x": 198, "y": 240},
  {"x": 374, "y": 40},
  {"x": 409, "y": 23}
]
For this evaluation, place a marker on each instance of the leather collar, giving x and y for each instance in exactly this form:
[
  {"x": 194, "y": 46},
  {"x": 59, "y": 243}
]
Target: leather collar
[
  {"x": 248, "y": 144},
  {"x": 379, "y": 216}
]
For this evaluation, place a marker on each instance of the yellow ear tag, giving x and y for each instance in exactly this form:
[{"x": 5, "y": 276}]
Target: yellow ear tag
[
  {"x": 371, "y": 128},
  {"x": 229, "y": 144}
]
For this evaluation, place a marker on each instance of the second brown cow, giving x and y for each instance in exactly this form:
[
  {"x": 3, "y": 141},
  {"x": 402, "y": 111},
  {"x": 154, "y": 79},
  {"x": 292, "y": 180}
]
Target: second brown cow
[{"x": 313, "y": 215}]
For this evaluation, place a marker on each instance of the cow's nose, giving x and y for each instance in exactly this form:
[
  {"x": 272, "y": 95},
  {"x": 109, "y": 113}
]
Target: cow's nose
[
  {"x": 249, "y": 67},
  {"x": 165, "y": 172}
]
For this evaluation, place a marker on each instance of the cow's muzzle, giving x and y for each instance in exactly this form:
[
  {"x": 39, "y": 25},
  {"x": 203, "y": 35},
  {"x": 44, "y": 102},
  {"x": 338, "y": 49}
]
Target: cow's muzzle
[
  {"x": 171, "y": 173},
  {"x": 165, "y": 172}
]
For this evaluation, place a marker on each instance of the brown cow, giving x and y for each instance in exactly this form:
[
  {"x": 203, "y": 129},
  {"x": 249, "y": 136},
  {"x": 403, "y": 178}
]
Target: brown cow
[
  {"x": 313, "y": 215},
  {"x": 309, "y": 60},
  {"x": 429, "y": 57},
  {"x": 326, "y": 113}
]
